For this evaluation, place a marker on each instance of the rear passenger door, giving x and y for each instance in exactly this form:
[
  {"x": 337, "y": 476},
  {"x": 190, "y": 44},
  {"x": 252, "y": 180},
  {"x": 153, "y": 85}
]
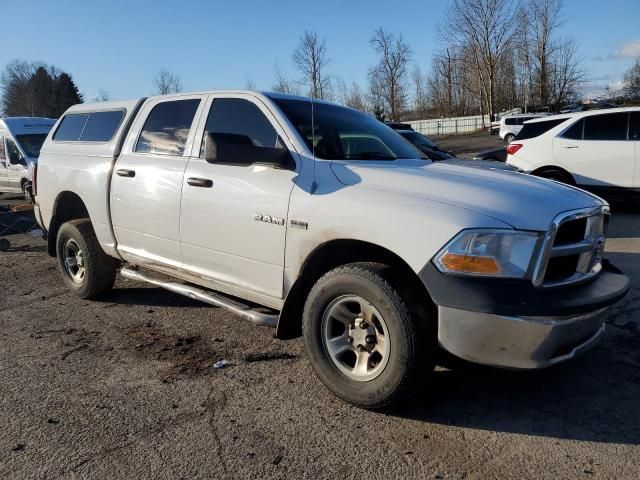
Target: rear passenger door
[
  {"x": 595, "y": 149},
  {"x": 147, "y": 181},
  {"x": 234, "y": 214}
]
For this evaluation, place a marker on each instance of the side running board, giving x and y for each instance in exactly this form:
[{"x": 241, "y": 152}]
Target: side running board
[{"x": 207, "y": 296}]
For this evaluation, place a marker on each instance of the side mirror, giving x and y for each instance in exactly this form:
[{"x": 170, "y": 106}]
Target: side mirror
[
  {"x": 17, "y": 159},
  {"x": 234, "y": 149}
]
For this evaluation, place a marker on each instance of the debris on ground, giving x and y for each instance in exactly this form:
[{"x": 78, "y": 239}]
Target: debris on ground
[
  {"x": 266, "y": 356},
  {"x": 222, "y": 364}
]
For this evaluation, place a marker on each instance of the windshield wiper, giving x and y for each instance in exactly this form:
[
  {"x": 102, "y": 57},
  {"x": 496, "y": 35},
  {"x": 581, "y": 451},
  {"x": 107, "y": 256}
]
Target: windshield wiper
[{"x": 370, "y": 155}]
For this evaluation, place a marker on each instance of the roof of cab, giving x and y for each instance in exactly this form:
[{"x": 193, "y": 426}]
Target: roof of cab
[{"x": 24, "y": 125}]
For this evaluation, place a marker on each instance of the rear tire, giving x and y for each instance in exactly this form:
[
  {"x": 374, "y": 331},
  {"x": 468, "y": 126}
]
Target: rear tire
[
  {"x": 362, "y": 340},
  {"x": 557, "y": 175},
  {"x": 86, "y": 270}
]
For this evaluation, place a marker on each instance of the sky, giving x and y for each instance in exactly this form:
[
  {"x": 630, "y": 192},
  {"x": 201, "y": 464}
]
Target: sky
[{"x": 119, "y": 46}]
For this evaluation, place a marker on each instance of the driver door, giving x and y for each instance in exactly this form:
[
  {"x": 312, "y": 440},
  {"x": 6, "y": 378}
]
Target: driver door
[{"x": 233, "y": 219}]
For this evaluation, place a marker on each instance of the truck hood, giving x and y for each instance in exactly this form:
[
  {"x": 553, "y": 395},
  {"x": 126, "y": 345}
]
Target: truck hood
[{"x": 523, "y": 201}]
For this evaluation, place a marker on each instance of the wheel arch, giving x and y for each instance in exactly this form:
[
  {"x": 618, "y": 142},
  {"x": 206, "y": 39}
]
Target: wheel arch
[
  {"x": 67, "y": 206},
  {"x": 547, "y": 168},
  {"x": 332, "y": 254}
]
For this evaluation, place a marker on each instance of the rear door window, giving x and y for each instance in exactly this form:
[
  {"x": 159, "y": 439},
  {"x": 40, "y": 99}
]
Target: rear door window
[
  {"x": 574, "y": 132},
  {"x": 610, "y": 126},
  {"x": 71, "y": 127},
  {"x": 167, "y": 127},
  {"x": 532, "y": 130}
]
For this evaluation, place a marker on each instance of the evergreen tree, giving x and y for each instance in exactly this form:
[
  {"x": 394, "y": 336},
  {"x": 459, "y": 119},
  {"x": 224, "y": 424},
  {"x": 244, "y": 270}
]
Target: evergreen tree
[
  {"x": 66, "y": 94},
  {"x": 34, "y": 89}
]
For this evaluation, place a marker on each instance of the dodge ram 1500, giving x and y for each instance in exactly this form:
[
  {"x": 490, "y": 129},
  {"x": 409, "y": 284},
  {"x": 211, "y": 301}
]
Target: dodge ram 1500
[{"x": 319, "y": 220}]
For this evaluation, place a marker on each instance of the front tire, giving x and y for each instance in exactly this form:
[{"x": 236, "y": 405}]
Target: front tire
[
  {"x": 86, "y": 270},
  {"x": 362, "y": 340},
  {"x": 509, "y": 138}
]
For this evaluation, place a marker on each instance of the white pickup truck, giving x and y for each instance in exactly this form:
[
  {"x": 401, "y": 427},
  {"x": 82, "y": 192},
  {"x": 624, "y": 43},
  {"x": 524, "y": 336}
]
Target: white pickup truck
[{"x": 318, "y": 219}]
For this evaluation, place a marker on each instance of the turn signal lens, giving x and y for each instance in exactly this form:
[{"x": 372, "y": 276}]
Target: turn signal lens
[{"x": 469, "y": 264}]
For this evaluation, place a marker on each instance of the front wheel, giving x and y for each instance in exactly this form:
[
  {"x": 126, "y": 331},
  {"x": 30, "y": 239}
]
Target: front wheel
[
  {"x": 509, "y": 138},
  {"x": 361, "y": 338},
  {"x": 86, "y": 269}
]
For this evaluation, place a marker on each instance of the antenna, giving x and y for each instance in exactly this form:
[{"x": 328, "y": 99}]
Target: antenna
[{"x": 314, "y": 184}]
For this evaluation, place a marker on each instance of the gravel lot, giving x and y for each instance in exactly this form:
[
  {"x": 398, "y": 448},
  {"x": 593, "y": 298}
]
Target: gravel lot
[{"x": 125, "y": 387}]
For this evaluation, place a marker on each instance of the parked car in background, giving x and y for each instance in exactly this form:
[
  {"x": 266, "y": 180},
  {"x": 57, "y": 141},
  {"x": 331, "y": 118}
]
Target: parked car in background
[
  {"x": 598, "y": 150},
  {"x": 20, "y": 141},
  {"x": 426, "y": 145},
  {"x": 338, "y": 228},
  {"x": 437, "y": 154},
  {"x": 495, "y": 155},
  {"x": 511, "y": 125}
]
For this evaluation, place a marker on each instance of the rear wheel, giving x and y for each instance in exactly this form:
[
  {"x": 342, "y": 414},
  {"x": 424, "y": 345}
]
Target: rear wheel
[
  {"x": 362, "y": 339},
  {"x": 85, "y": 268},
  {"x": 557, "y": 175}
]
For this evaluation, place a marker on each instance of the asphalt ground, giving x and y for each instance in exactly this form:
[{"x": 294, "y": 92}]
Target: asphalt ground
[{"x": 125, "y": 388}]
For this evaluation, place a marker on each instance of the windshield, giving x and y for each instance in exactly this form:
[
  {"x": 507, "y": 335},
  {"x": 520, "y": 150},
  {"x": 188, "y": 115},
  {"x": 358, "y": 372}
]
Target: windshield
[
  {"x": 431, "y": 149},
  {"x": 31, "y": 143},
  {"x": 342, "y": 133}
]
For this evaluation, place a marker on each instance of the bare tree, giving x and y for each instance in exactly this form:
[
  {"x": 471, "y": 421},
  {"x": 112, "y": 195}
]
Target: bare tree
[
  {"x": 485, "y": 29},
  {"x": 420, "y": 92},
  {"x": 102, "y": 96},
  {"x": 565, "y": 74},
  {"x": 351, "y": 95},
  {"x": 250, "y": 84},
  {"x": 166, "y": 82},
  {"x": 544, "y": 20},
  {"x": 310, "y": 59},
  {"x": 631, "y": 88},
  {"x": 388, "y": 79},
  {"x": 283, "y": 84}
]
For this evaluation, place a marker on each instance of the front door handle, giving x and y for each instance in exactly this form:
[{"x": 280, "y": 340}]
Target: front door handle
[
  {"x": 571, "y": 146},
  {"x": 200, "y": 182},
  {"x": 123, "y": 172}
]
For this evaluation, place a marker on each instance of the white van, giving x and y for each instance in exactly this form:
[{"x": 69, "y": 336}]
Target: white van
[
  {"x": 20, "y": 142},
  {"x": 511, "y": 125}
]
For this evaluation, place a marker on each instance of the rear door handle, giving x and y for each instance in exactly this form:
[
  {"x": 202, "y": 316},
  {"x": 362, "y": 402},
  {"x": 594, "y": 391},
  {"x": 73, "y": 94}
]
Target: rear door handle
[
  {"x": 123, "y": 172},
  {"x": 200, "y": 182},
  {"x": 571, "y": 146}
]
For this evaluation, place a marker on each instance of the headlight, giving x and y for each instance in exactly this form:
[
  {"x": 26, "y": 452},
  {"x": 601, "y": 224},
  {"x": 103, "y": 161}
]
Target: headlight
[{"x": 494, "y": 253}]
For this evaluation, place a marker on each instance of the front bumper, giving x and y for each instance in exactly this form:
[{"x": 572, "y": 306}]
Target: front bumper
[
  {"x": 517, "y": 341},
  {"x": 512, "y": 324}
]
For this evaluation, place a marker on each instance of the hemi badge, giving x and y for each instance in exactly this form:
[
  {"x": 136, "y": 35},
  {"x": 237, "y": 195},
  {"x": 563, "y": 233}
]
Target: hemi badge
[{"x": 299, "y": 225}]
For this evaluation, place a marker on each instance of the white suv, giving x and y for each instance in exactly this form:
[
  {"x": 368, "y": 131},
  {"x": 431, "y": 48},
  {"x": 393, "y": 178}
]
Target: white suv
[
  {"x": 597, "y": 150},
  {"x": 511, "y": 125}
]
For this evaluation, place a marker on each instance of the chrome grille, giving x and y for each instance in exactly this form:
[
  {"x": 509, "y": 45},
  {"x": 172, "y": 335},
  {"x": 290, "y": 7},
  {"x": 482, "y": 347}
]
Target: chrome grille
[{"x": 572, "y": 249}]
